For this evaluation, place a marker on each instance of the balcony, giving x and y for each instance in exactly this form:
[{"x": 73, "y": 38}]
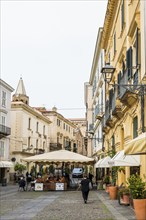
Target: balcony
[
  {"x": 116, "y": 107},
  {"x": 126, "y": 93},
  {"x": 99, "y": 113},
  {"x": 105, "y": 128},
  {"x": 4, "y": 131},
  {"x": 39, "y": 151},
  {"x": 55, "y": 146}
]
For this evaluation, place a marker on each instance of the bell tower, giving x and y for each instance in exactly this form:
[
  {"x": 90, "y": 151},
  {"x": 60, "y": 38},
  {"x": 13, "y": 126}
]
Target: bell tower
[{"x": 20, "y": 94}]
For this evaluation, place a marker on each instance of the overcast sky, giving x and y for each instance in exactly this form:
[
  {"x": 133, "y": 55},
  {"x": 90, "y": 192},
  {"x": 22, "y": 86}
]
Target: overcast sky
[{"x": 50, "y": 44}]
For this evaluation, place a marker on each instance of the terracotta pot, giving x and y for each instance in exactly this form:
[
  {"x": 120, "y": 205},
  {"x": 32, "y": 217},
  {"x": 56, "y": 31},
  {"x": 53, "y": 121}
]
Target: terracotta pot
[
  {"x": 107, "y": 188},
  {"x": 140, "y": 208},
  {"x": 126, "y": 199},
  {"x": 113, "y": 192}
]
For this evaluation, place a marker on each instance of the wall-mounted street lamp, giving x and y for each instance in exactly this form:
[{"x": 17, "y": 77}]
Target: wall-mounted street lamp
[
  {"x": 108, "y": 72},
  {"x": 91, "y": 133}
]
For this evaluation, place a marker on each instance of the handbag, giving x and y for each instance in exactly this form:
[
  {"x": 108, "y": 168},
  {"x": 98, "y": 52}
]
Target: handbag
[{"x": 90, "y": 185}]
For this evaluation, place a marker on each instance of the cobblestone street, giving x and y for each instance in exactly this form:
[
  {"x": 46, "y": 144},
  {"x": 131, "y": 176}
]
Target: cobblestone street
[{"x": 58, "y": 205}]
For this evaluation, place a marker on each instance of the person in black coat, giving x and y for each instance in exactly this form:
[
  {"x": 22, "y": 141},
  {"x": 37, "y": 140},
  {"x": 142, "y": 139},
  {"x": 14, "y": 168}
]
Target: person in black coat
[
  {"x": 85, "y": 188},
  {"x": 22, "y": 183}
]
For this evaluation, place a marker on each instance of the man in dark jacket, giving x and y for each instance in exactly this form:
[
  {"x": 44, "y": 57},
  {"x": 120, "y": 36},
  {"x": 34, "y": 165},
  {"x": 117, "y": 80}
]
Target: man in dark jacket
[{"x": 85, "y": 188}]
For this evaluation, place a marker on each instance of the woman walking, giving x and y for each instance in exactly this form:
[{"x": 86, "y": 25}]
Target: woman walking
[{"x": 85, "y": 188}]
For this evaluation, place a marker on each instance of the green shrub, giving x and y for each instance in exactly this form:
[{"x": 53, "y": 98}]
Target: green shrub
[{"x": 137, "y": 186}]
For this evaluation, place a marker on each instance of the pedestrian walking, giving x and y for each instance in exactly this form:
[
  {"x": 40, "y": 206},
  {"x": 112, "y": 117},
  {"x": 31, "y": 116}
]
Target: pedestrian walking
[
  {"x": 85, "y": 187},
  {"x": 28, "y": 182},
  {"x": 22, "y": 184}
]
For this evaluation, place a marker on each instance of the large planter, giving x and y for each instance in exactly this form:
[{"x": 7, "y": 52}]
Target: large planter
[
  {"x": 126, "y": 199},
  {"x": 113, "y": 192},
  {"x": 140, "y": 208},
  {"x": 107, "y": 188}
]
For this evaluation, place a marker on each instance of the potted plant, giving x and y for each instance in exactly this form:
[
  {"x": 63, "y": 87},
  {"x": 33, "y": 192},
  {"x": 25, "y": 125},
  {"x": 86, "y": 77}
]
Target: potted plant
[
  {"x": 137, "y": 188},
  {"x": 124, "y": 196},
  {"x": 19, "y": 167},
  {"x": 106, "y": 183},
  {"x": 113, "y": 189}
]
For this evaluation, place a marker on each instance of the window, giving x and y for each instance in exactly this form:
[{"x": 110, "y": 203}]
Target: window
[
  {"x": 119, "y": 79},
  {"x": 135, "y": 127},
  {"x": 3, "y": 120},
  {"x": 1, "y": 148},
  {"x": 129, "y": 62},
  {"x": 29, "y": 123},
  {"x": 3, "y": 98},
  {"x": 44, "y": 144},
  {"x": 136, "y": 57},
  {"x": 122, "y": 15},
  {"x": 37, "y": 127},
  {"x": 115, "y": 44},
  {"x": 64, "y": 126},
  {"x": 58, "y": 122},
  {"x": 28, "y": 141},
  {"x": 37, "y": 143},
  {"x": 44, "y": 130},
  {"x": 113, "y": 145}
]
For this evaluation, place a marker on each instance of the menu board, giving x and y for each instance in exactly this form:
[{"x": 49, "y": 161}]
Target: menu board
[
  {"x": 38, "y": 187},
  {"x": 59, "y": 186}
]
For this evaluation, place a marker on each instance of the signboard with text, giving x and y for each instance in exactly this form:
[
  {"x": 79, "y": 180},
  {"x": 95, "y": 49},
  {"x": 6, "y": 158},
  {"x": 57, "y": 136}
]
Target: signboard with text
[
  {"x": 59, "y": 186},
  {"x": 38, "y": 186}
]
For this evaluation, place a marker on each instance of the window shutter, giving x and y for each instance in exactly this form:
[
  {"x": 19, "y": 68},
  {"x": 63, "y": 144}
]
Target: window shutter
[
  {"x": 129, "y": 62},
  {"x": 119, "y": 79},
  {"x": 110, "y": 98},
  {"x": 137, "y": 47},
  {"x": 135, "y": 127}
]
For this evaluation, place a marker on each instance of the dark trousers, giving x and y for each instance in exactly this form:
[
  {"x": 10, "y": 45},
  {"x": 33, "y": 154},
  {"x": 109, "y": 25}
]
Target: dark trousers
[{"x": 85, "y": 195}]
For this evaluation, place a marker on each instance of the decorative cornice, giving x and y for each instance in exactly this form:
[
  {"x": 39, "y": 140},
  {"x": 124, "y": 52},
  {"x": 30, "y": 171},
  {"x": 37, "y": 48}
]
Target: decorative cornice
[
  {"x": 16, "y": 105},
  {"x": 112, "y": 4}
]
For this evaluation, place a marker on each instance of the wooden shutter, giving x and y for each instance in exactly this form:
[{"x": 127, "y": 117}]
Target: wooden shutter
[
  {"x": 129, "y": 62},
  {"x": 135, "y": 127},
  {"x": 137, "y": 48}
]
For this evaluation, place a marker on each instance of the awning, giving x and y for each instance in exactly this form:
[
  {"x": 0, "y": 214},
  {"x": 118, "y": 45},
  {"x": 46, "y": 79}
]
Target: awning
[
  {"x": 105, "y": 162},
  {"x": 59, "y": 156},
  {"x": 6, "y": 164},
  {"x": 97, "y": 164},
  {"x": 137, "y": 145},
  {"x": 124, "y": 160}
]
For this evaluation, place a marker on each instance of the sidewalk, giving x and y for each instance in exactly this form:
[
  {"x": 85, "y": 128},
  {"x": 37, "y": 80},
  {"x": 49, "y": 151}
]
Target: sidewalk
[
  {"x": 120, "y": 212},
  {"x": 60, "y": 205}
]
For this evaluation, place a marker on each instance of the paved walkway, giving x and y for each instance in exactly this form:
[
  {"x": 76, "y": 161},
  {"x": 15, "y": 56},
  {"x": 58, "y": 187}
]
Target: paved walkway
[{"x": 60, "y": 205}]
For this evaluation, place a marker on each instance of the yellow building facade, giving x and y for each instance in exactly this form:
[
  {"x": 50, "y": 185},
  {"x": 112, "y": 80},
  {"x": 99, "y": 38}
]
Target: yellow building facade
[{"x": 123, "y": 41}]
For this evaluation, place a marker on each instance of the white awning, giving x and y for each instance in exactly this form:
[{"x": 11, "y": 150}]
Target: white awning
[
  {"x": 137, "y": 145},
  {"x": 105, "y": 162},
  {"x": 6, "y": 164},
  {"x": 59, "y": 156},
  {"x": 97, "y": 164},
  {"x": 125, "y": 160}
]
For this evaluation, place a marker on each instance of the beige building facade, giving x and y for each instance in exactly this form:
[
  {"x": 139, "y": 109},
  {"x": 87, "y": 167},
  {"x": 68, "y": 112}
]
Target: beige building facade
[
  {"x": 95, "y": 102},
  {"x": 5, "y": 130},
  {"x": 64, "y": 133},
  {"x": 123, "y": 41},
  {"x": 29, "y": 128}
]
